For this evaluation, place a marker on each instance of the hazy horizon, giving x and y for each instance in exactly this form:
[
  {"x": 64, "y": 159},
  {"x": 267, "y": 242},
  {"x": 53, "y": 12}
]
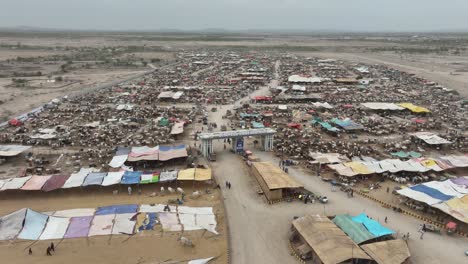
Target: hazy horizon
[{"x": 239, "y": 15}]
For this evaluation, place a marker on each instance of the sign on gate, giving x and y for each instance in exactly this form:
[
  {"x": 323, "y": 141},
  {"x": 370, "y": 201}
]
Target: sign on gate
[{"x": 240, "y": 144}]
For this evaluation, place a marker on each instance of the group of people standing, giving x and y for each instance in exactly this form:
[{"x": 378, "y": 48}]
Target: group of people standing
[{"x": 49, "y": 250}]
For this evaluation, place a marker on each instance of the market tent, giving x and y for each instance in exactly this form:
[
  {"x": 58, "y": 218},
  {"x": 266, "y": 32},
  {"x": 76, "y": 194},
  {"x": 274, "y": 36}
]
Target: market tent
[
  {"x": 434, "y": 193},
  {"x": 177, "y": 128},
  {"x": 123, "y": 224},
  {"x": 75, "y": 212},
  {"x": 373, "y": 166},
  {"x": 388, "y": 252},
  {"x": 144, "y": 153},
  {"x": 430, "y": 164},
  {"x": 455, "y": 207},
  {"x": 382, "y": 106},
  {"x": 55, "y": 228},
  {"x": 11, "y": 224},
  {"x": 12, "y": 150},
  {"x": 170, "y": 221},
  {"x": 328, "y": 127},
  {"x": 163, "y": 122},
  {"x": 202, "y": 174},
  {"x": 356, "y": 231},
  {"x": 149, "y": 177},
  {"x": 322, "y": 105},
  {"x": 55, "y": 182},
  {"x": 358, "y": 167},
  {"x": 461, "y": 181},
  {"x": 15, "y": 183},
  {"x": 430, "y": 138},
  {"x": 34, "y": 223},
  {"x": 257, "y": 125},
  {"x": 168, "y": 176},
  {"x": 403, "y": 154},
  {"x": 101, "y": 225},
  {"x": 118, "y": 161},
  {"x": 347, "y": 124},
  {"x": 131, "y": 177},
  {"x": 112, "y": 178},
  {"x": 342, "y": 170},
  {"x": 329, "y": 242},
  {"x": 156, "y": 208},
  {"x": 274, "y": 177},
  {"x": 447, "y": 187},
  {"x": 374, "y": 227},
  {"x": 187, "y": 174},
  {"x": 35, "y": 183},
  {"x": 172, "y": 152},
  {"x": 327, "y": 158},
  {"x": 77, "y": 179},
  {"x": 146, "y": 221},
  {"x": 456, "y": 161},
  {"x": 418, "y": 196},
  {"x": 79, "y": 227},
  {"x": 94, "y": 178},
  {"x": 414, "y": 108},
  {"x": 3, "y": 181},
  {"x": 117, "y": 209}
]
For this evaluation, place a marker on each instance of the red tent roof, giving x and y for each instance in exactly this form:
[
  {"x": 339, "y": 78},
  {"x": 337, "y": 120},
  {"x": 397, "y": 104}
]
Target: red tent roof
[
  {"x": 263, "y": 98},
  {"x": 294, "y": 125}
]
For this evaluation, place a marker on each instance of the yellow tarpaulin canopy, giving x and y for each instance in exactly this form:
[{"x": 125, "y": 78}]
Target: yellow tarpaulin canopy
[
  {"x": 358, "y": 167},
  {"x": 186, "y": 175},
  {"x": 428, "y": 163},
  {"x": 458, "y": 203},
  {"x": 414, "y": 108},
  {"x": 202, "y": 174}
]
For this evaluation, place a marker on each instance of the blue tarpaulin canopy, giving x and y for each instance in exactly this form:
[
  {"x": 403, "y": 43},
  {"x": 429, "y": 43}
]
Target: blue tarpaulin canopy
[
  {"x": 431, "y": 192},
  {"x": 257, "y": 125},
  {"x": 347, "y": 124},
  {"x": 131, "y": 177},
  {"x": 372, "y": 226},
  {"x": 403, "y": 154},
  {"x": 245, "y": 115},
  {"x": 117, "y": 209},
  {"x": 94, "y": 178}
]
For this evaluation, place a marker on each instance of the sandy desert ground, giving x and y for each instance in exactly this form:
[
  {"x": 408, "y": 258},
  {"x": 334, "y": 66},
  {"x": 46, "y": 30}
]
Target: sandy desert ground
[{"x": 156, "y": 246}]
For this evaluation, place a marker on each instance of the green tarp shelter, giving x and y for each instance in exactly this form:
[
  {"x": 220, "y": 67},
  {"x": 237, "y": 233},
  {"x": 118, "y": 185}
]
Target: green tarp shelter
[
  {"x": 356, "y": 231},
  {"x": 402, "y": 154},
  {"x": 163, "y": 122},
  {"x": 257, "y": 125}
]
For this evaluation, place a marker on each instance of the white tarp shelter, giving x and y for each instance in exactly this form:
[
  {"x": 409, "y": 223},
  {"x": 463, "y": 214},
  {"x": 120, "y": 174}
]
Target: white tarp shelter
[
  {"x": 12, "y": 150},
  {"x": 430, "y": 138}
]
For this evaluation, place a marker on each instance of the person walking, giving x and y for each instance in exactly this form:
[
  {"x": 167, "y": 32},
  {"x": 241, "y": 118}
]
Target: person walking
[
  {"x": 30, "y": 251},
  {"x": 48, "y": 251},
  {"x": 407, "y": 236},
  {"x": 385, "y": 219},
  {"x": 422, "y": 234},
  {"x": 129, "y": 189},
  {"x": 52, "y": 247},
  {"x": 229, "y": 185}
]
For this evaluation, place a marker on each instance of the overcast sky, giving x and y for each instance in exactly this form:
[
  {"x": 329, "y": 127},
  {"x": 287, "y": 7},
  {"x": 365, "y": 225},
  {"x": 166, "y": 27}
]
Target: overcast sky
[{"x": 343, "y": 15}]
